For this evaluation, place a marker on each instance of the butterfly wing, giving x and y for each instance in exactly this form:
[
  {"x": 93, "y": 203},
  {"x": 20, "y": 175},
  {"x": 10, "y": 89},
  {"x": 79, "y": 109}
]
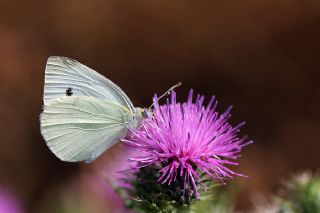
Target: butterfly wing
[
  {"x": 82, "y": 128},
  {"x": 67, "y": 75}
]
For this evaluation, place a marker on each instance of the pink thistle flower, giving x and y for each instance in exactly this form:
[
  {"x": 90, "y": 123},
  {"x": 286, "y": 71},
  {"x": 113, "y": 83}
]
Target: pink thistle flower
[
  {"x": 8, "y": 203},
  {"x": 188, "y": 140}
]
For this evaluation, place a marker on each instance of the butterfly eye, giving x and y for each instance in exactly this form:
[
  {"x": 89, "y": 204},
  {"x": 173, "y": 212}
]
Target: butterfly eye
[
  {"x": 69, "y": 92},
  {"x": 144, "y": 114}
]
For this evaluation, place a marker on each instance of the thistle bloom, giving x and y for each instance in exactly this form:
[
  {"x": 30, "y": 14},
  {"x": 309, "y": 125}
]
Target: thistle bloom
[
  {"x": 188, "y": 140},
  {"x": 8, "y": 203}
]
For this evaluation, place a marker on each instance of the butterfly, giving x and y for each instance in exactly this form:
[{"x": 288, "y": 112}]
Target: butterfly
[{"x": 84, "y": 113}]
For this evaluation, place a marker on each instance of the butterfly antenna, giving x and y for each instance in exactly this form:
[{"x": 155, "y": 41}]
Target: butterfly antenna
[{"x": 167, "y": 92}]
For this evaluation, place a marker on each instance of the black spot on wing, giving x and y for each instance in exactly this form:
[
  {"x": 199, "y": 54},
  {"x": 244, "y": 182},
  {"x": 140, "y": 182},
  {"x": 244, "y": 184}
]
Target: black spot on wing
[{"x": 69, "y": 92}]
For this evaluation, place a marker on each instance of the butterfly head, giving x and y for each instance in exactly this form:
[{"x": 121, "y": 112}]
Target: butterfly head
[
  {"x": 143, "y": 113},
  {"x": 140, "y": 115}
]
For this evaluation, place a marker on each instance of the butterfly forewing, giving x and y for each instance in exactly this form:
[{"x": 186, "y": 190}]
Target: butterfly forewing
[
  {"x": 66, "y": 77},
  {"x": 81, "y": 128}
]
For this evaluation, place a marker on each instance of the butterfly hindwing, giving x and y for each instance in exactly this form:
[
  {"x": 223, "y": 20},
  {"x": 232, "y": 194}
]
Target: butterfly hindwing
[{"x": 79, "y": 128}]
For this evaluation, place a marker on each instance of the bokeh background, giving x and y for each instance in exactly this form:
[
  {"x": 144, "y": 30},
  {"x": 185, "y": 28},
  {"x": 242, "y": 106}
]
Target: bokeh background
[{"x": 262, "y": 56}]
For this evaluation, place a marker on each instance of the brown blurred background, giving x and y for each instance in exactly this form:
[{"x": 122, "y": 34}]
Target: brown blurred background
[{"x": 262, "y": 56}]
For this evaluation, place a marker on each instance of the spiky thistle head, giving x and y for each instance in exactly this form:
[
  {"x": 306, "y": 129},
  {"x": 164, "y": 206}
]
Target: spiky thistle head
[
  {"x": 188, "y": 140},
  {"x": 300, "y": 193}
]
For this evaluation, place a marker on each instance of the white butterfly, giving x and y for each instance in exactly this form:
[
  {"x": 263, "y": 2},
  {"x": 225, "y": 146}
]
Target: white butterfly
[{"x": 84, "y": 113}]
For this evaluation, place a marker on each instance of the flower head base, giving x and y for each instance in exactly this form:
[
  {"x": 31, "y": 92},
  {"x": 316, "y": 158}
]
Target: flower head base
[{"x": 188, "y": 140}]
